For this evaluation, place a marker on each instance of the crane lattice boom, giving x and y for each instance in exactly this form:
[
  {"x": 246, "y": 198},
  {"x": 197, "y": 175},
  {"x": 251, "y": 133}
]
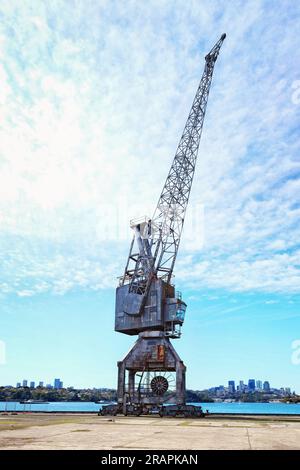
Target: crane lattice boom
[
  {"x": 156, "y": 241},
  {"x": 172, "y": 204}
]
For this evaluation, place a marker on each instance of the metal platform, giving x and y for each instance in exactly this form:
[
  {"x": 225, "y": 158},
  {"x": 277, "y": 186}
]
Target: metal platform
[{"x": 175, "y": 411}]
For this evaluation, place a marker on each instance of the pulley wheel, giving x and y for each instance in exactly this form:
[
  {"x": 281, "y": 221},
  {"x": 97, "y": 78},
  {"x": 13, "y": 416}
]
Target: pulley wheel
[{"x": 159, "y": 385}]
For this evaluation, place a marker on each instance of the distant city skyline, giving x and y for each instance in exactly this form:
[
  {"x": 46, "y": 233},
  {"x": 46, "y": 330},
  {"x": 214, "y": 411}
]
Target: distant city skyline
[
  {"x": 253, "y": 385},
  {"x": 57, "y": 384}
]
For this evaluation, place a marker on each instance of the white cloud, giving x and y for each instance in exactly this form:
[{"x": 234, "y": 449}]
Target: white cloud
[
  {"x": 93, "y": 100},
  {"x": 25, "y": 293}
]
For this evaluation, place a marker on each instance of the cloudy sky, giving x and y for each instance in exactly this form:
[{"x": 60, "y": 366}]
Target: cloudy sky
[{"x": 93, "y": 99}]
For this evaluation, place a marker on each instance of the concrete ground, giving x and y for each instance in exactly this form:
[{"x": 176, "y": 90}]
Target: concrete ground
[{"x": 42, "y": 431}]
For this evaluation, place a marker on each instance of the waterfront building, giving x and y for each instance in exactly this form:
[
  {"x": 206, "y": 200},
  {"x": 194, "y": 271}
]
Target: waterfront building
[
  {"x": 58, "y": 384},
  {"x": 258, "y": 385},
  {"x": 251, "y": 385},
  {"x": 25, "y": 382},
  {"x": 231, "y": 386},
  {"x": 266, "y": 386}
]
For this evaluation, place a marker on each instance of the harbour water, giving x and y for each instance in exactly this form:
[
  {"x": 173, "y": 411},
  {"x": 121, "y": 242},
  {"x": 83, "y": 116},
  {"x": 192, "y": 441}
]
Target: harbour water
[{"x": 237, "y": 408}]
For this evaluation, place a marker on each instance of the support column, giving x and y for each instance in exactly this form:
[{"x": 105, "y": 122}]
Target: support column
[
  {"x": 121, "y": 381},
  {"x": 131, "y": 385},
  {"x": 180, "y": 383}
]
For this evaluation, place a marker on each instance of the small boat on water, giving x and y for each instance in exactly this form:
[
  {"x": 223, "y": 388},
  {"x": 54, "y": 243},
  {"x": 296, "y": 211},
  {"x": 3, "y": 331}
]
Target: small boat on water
[{"x": 34, "y": 402}]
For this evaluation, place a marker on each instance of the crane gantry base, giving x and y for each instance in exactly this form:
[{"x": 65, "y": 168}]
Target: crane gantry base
[{"x": 141, "y": 374}]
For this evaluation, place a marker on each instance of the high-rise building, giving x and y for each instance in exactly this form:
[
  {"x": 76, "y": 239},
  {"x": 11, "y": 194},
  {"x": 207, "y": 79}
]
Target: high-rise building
[
  {"x": 251, "y": 385},
  {"x": 220, "y": 391},
  {"x": 58, "y": 384},
  {"x": 266, "y": 386},
  {"x": 241, "y": 386},
  {"x": 259, "y": 385},
  {"x": 49, "y": 386},
  {"x": 18, "y": 384},
  {"x": 231, "y": 386},
  {"x": 41, "y": 384},
  {"x": 32, "y": 384},
  {"x": 25, "y": 382}
]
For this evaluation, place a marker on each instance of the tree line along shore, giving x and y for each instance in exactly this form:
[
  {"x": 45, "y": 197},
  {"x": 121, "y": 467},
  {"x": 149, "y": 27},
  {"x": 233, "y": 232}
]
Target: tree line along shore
[{"x": 109, "y": 395}]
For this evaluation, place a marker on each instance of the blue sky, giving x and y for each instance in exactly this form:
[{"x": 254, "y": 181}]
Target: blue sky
[{"x": 93, "y": 99}]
